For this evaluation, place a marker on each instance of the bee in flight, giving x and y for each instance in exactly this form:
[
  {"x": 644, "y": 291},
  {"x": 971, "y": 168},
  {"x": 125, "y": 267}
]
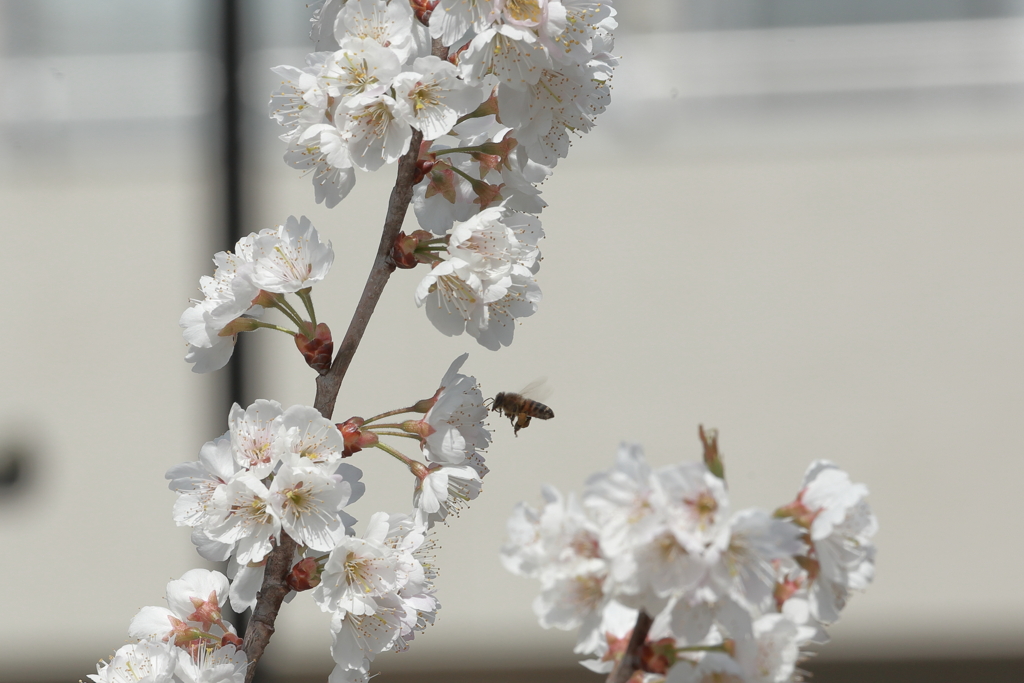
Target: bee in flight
[{"x": 519, "y": 409}]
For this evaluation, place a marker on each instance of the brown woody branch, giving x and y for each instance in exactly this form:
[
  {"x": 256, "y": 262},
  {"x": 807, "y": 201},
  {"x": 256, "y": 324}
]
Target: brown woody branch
[
  {"x": 328, "y": 386},
  {"x": 268, "y": 603},
  {"x": 630, "y": 661}
]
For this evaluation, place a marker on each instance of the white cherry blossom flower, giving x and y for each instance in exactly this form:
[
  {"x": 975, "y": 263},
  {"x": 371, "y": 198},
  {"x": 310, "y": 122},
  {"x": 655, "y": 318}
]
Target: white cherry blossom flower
[
  {"x": 560, "y": 101},
  {"x": 447, "y": 489},
  {"x": 512, "y": 55},
  {"x": 575, "y": 43},
  {"x": 253, "y": 433},
  {"x": 212, "y": 665},
  {"x": 193, "y": 607},
  {"x": 454, "y": 425},
  {"x": 389, "y": 24},
  {"x": 300, "y": 99},
  {"x": 361, "y": 67},
  {"x": 576, "y": 600},
  {"x": 841, "y": 536},
  {"x": 360, "y": 571},
  {"x": 359, "y": 638},
  {"x": 554, "y": 542},
  {"x": 196, "y": 481},
  {"x": 696, "y": 505},
  {"x": 752, "y": 542},
  {"x": 244, "y": 515},
  {"x": 290, "y": 258},
  {"x": 431, "y": 97},
  {"x": 322, "y": 152},
  {"x": 228, "y": 296},
  {"x": 307, "y": 437},
  {"x": 444, "y": 197},
  {"x": 773, "y": 652},
  {"x": 451, "y": 19},
  {"x": 307, "y": 501},
  {"x": 374, "y": 133},
  {"x": 623, "y": 502},
  {"x": 487, "y": 282},
  {"x": 142, "y": 662}
]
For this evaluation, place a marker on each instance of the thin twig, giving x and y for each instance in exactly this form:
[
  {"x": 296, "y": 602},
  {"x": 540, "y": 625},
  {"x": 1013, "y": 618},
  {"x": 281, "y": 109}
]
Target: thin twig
[
  {"x": 279, "y": 561},
  {"x": 630, "y": 661},
  {"x": 328, "y": 386}
]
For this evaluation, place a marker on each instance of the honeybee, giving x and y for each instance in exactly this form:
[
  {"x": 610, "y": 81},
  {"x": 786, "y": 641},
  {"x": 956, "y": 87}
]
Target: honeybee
[{"x": 519, "y": 409}]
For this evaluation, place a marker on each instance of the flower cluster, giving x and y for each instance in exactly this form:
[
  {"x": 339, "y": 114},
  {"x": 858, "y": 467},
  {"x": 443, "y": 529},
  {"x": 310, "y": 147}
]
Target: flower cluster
[
  {"x": 379, "y": 591},
  {"x": 493, "y": 87},
  {"x": 278, "y": 472},
  {"x": 487, "y": 279},
  {"x": 189, "y": 641},
  {"x": 288, "y": 259},
  {"x": 275, "y": 471},
  {"x": 731, "y": 596}
]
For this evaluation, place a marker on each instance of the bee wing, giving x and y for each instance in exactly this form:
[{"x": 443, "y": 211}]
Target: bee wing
[{"x": 538, "y": 390}]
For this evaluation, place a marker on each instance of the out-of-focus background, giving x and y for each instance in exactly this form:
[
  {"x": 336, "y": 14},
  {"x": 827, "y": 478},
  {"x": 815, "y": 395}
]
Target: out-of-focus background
[{"x": 799, "y": 222}]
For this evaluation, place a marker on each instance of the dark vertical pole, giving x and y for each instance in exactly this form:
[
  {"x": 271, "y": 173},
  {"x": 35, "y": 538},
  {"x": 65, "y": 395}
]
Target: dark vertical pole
[{"x": 232, "y": 149}]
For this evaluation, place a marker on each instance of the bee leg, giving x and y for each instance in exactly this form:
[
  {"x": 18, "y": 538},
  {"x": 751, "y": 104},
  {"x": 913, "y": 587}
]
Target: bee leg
[{"x": 522, "y": 422}]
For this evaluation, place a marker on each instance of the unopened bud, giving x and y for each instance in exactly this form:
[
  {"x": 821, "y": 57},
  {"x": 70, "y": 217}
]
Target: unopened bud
[
  {"x": 423, "y": 167},
  {"x": 423, "y": 9},
  {"x": 317, "y": 351},
  {"x": 355, "y": 438},
  {"x": 712, "y": 458},
  {"x": 403, "y": 251},
  {"x": 304, "y": 575},
  {"x": 659, "y": 656}
]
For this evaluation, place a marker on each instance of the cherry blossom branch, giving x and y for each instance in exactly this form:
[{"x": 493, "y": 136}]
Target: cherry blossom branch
[
  {"x": 630, "y": 661},
  {"x": 279, "y": 561},
  {"x": 268, "y": 603},
  {"x": 328, "y": 386}
]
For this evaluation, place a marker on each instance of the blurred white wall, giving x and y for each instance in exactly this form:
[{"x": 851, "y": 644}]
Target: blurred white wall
[{"x": 807, "y": 237}]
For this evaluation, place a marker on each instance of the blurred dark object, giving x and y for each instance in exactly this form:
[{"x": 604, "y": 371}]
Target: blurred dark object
[{"x": 14, "y": 465}]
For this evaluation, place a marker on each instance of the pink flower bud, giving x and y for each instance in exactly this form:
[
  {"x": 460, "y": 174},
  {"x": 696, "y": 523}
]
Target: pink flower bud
[
  {"x": 304, "y": 575},
  {"x": 659, "y": 656},
  {"x": 355, "y": 438}
]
